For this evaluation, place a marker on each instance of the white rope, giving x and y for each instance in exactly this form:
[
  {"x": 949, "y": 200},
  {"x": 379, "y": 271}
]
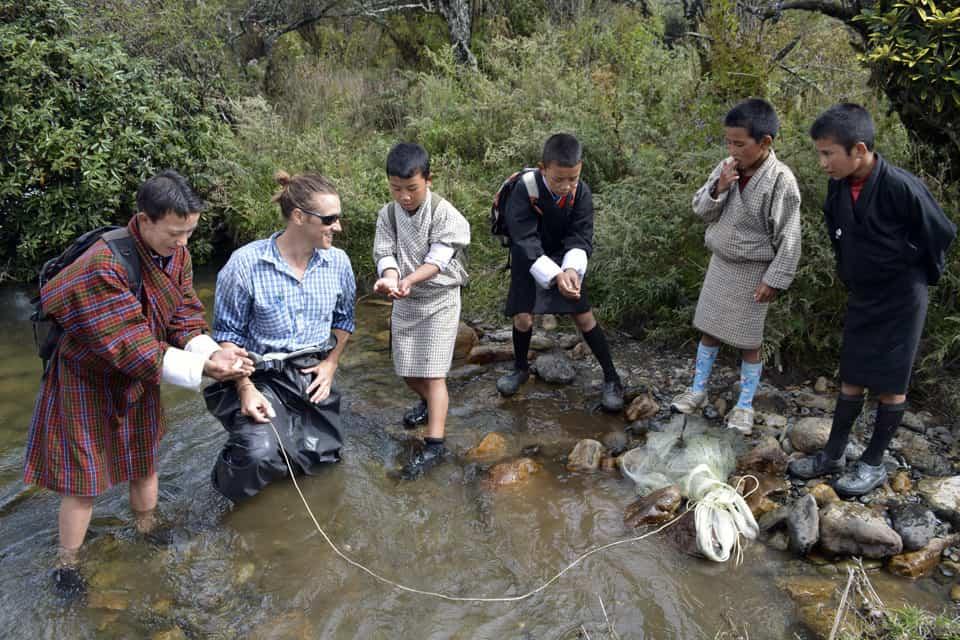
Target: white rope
[{"x": 444, "y": 596}]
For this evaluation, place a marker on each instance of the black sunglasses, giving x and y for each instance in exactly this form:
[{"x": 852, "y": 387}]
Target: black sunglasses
[{"x": 327, "y": 220}]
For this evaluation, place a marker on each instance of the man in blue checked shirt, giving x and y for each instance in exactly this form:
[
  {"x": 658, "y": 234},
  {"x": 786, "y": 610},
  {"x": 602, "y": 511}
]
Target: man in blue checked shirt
[{"x": 288, "y": 299}]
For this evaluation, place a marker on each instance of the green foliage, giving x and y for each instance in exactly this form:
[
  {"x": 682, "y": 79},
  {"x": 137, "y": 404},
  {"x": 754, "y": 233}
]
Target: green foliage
[
  {"x": 736, "y": 70},
  {"x": 914, "y": 51},
  {"x": 910, "y": 623},
  {"x": 82, "y": 125}
]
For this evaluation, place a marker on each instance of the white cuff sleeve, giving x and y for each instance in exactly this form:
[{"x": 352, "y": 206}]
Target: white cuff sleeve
[
  {"x": 575, "y": 259},
  {"x": 182, "y": 368},
  {"x": 544, "y": 270},
  {"x": 387, "y": 262},
  {"x": 440, "y": 254},
  {"x": 202, "y": 345}
]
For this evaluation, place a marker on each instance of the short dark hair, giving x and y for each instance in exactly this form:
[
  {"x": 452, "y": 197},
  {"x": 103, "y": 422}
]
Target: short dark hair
[
  {"x": 846, "y": 124},
  {"x": 407, "y": 159},
  {"x": 295, "y": 191},
  {"x": 562, "y": 149},
  {"x": 165, "y": 192},
  {"x": 755, "y": 115}
]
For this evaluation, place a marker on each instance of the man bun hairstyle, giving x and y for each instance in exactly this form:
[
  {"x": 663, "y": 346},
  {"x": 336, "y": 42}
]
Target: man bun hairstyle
[
  {"x": 757, "y": 116},
  {"x": 846, "y": 124},
  {"x": 562, "y": 149},
  {"x": 406, "y": 160},
  {"x": 166, "y": 192},
  {"x": 296, "y": 191}
]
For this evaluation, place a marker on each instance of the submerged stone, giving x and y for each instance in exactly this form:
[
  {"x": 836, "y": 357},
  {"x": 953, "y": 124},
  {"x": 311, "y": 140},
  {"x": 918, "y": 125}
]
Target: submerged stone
[
  {"x": 511, "y": 473},
  {"x": 585, "y": 456},
  {"x": 654, "y": 508}
]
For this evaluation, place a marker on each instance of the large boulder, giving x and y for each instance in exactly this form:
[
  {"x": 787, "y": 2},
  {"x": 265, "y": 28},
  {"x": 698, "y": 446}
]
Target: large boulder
[
  {"x": 642, "y": 407},
  {"x": 809, "y": 435},
  {"x": 917, "y": 564},
  {"x": 654, "y": 508},
  {"x": 849, "y": 528},
  {"x": 815, "y": 401},
  {"x": 915, "y": 523},
  {"x": 466, "y": 340},
  {"x": 918, "y": 453},
  {"x": 487, "y": 353},
  {"x": 803, "y": 524},
  {"x": 555, "y": 368},
  {"x": 943, "y": 496}
]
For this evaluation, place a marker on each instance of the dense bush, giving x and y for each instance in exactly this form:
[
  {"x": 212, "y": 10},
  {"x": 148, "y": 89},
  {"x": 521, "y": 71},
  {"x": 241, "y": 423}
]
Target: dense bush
[{"x": 82, "y": 124}]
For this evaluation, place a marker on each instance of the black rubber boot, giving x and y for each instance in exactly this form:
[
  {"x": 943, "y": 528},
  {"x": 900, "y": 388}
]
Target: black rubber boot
[
  {"x": 815, "y": 466},
  {"x": 509, "y": 384},
  {"x": 423, "y": 460},
  {"x": 860, "y": 479},
  {"x": 416, "y": 415},
  {"x": 68, "y": 582}
]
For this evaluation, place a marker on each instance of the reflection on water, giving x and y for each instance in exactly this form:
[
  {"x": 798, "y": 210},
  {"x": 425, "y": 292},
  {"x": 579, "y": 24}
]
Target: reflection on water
[{"x": 263, "y": 571}]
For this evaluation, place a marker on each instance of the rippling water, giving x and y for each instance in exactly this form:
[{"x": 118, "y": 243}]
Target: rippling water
[{"x": 263, "y": 571}]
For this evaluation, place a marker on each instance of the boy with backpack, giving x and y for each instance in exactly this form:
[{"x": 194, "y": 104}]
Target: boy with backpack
[
  {"x": 548, "y": 215},
  {"x": 417, "y": 247},
  {"x": 751, "y": 204},
  {"x": 98, "y": 419},
  {"x": 890, "y": 239}
]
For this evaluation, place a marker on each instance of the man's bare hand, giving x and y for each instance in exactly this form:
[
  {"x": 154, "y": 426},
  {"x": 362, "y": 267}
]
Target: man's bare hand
[
  {"x": 728, "y": 175},
  {"x": 228, "y": 363},
  {"x": 319, "y": 389},
  {"x": 254, "y": 404}
]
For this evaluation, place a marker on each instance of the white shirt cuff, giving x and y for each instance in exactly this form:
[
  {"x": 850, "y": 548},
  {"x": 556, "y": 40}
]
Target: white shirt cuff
[
  {"x": 544, "y": 270},
  {"x": 202, "y": 345},
  {"x": 182, "y": 368},
  {"x": 387, "y": 262},
  {"x": 440, "y": 254},
  {"x": 575, "y": 259}
]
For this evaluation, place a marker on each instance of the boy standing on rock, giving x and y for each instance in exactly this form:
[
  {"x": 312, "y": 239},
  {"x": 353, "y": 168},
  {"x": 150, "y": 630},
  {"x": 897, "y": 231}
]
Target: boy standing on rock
[
  {"x": 890, "y": 239},
  {"x": 751, "y": 204}
]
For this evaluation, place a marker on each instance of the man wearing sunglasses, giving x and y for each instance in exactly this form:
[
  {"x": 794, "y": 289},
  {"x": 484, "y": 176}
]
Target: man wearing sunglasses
[{"x": 290, "y": 300}]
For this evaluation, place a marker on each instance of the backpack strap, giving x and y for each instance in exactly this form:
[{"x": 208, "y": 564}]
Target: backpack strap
[
  {"x": 529, "y": 178},
  {"x": 121, "y": 244}
]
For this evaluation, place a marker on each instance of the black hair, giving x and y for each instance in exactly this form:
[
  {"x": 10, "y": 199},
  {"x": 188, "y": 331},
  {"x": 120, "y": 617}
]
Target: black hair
[
  {"x": 165, "y": 192},
  {"x": 846, "y": 124},
  {"x": 755, "y": 115},
  {"x": 407, "y": 159},
  {"x": 295, "y": 191},
  {"x": 562, "y": 149}
]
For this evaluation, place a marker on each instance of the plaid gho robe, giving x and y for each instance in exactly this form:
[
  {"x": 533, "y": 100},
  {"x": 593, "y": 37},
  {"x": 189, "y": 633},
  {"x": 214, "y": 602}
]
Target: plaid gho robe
[{"x": 98, "y": 419}]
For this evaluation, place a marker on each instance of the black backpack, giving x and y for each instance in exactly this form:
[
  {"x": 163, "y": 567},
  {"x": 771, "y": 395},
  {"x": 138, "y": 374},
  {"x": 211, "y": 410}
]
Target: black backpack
[
  {"x": 498, "y": 225},
  {"x": 46, "y": 331}
]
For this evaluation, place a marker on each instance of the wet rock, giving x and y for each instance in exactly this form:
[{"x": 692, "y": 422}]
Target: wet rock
[
  {"x": 943, "y": 496},
  {"x": 916, "y": 525},
  {"x": 683, "y": 535},
  {"x": 803, "y": 524},
  {"x": 549, "y": 322},
  {"x": 766, "y": 458},
  {"x": 487, "y": 353},
  {"x": 813, "y": 401},
  {"x": 774, "y": 420},
  {"x": 175, "y": 633},
  {"x": 720, "y": 404},
  {"x": 901, "y": 483},
  {"x": 642, "y": 407},
  {"x": 810, "y": 434},
  {"x": 779, "y": 541},
  {"x": 580, "y": 351},
  {"x": 466, "y": 371},
  {"x": 918, "y": 453},
  {"x": 759, "y": 494},
  {"x": 466, "y": 340},
  {"x": 540, "y": 342},
  {"x": 654, "y": 508},
  {"x": 616, "y": 442},
  {"x": 767, "y": 399},
  {"x": 919, "y": 563},
  {"x": 955, "y": 593},
  {"x": 849, "y": 528},
  {"x": 773, "y": 519},
  {"x": 824, "y": 494},
  {"x": 555, "y": 368},
  {"x": 807, "y": 588},
  {"x": 585, "y": 456},
  {"x": 913, "y": 422},
  {"x": 511, "y": 473},
  {"x": 821, "y": 386},
  {"x": 491, "y": 447},
  {"x": 609, "y": 464},
  {"x": 500, "y": 335},
  {"x": 568, "y": 341},
  {"x": 109, "y": 600},
  {"x": 530, "y": 451}
]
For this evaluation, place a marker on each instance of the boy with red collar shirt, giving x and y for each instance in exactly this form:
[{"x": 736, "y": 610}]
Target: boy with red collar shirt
[
  {"x": 890, "y": 240},
  {"x": 548, "y": 254}
]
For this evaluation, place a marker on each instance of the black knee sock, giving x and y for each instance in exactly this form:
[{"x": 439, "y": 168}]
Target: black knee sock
[
  {"x": 848, "y": 408},
  {"x": 888, "y": 419},
  {"x": 598, "y": 344},
  {"x": 433, "y": 442},
  {"x": 521, "y": 346}
]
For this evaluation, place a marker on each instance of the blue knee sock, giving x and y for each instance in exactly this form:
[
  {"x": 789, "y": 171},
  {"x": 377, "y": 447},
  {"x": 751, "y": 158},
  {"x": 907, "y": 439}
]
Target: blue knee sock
[
  {"x": 706, "y": 356},
  {"x": 749, "y": 381}
]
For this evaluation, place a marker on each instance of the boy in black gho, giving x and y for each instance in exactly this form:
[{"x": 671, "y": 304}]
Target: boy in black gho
[
  {"x": 890, "y": 239},
  {"x": 551, "y": 243}
]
